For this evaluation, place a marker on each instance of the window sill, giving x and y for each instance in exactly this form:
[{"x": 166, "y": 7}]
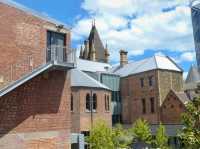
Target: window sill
[{"x": 94, "y": 111}]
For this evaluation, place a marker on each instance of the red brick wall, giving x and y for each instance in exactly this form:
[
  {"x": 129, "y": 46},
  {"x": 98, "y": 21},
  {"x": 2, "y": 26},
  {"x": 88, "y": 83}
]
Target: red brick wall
[
  {"x": 171, "y": 110},
  {"x": 39, "y": 110},
  {"x": 132, "y": 94},
  {"x": 22, "y": 36},
  {"x": 81, "y": 119}
]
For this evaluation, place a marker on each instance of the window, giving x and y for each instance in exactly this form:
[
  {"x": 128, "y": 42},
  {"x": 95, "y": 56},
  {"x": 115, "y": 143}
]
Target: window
[
  {"x": 55, "y": 41},
  {"x": 72, "y": 102},
  {"x": 88, "y": 102},
  {"x": 107, "y": 103},
  {"x": 152, "y": 105},
  {"x": 151, "y": 81},
  {"x": 142, "y": 82},
  {"x": 143, "y": 106},
  {"x": 94, "y": 102}
]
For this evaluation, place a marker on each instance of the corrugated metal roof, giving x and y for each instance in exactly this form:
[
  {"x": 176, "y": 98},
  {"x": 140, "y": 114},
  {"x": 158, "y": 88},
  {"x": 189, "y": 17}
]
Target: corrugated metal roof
[
  {"x": 81, "y": 79},
  {"x": 152, "y": 63},
  {"x": 86, "y": 65},
  {"x": 33, "y": 12}
]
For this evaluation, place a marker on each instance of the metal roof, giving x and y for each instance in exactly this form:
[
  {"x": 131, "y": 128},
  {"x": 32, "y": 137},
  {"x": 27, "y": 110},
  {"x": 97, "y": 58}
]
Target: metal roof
[
  {"x": 86, "y": 65},
  {"x": 81, "y": 79},
  {"x": 152, "y": 63},
  {"x": 193, "y": 75},
  {"x": 33, "y": 12}
]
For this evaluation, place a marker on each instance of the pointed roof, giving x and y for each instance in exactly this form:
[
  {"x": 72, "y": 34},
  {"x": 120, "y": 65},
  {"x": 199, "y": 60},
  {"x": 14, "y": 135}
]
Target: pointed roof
[
  {"x": 193, "y": 75},
  {"x": 81, "y": 79},
  {"x": 95, "y": 38},
  {"x": 152, "y": 63}
]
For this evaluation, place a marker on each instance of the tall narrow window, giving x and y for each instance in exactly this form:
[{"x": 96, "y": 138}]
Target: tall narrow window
[
  {"x": 152, "y": 105},
  {"x": 72, "y": 102},
  {"x": 142, "y": 82},
  {"x": 105, "y": 99},
  {"x": 108, "y": 103},
  {"x": 143, "y": 106},
  {"x": 94, "y": 102},
  {"x": 151, "y": 81},
  {"x": 88, "y": 102}
]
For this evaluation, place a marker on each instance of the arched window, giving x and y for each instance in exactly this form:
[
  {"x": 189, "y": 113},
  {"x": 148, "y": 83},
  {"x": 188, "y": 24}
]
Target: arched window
[
  {"x": 94, "y": 102},
  {"x": 72, "y": 103},
  {"x": 143, "y": 106},
  {"x": 88, "y": 102}
]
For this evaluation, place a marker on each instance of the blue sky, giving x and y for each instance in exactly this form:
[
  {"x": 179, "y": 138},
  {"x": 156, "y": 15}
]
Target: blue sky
[{"x": 162, "y": 27}]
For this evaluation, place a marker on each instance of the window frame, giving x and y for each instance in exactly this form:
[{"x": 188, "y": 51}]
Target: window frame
[
  {"x": 144, "y": 106},
  {"x": 152, "y": 104}
]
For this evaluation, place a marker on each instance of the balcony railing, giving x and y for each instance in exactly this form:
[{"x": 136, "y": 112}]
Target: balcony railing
[
  {"x": 61, "y": 55},
  {"x": 58, "y": 55}
]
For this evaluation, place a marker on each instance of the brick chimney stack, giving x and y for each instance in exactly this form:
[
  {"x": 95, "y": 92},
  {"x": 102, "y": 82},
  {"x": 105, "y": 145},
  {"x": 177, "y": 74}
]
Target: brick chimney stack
[{"x": 123, "y": 58}]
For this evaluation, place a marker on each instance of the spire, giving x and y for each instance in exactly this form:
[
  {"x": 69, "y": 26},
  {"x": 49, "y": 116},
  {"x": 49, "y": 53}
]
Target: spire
[
  {"x": 106, "y": 52},
  {"x": 86, "y": 49},
  {"x": 93, "y": 52},
  {"x": 81, "y": 52}
]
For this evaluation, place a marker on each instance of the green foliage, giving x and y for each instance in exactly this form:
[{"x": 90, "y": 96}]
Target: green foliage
[
  {"x": 141, "y": 131},
  {"x": 161, "y": 139},
  {"x": 100, "y": 136},
  {"x": 191, "y": 121},
  {"x": 121, "y": 137}
]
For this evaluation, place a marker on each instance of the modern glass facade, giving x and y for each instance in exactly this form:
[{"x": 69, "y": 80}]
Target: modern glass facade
[{"x": 196, "y": 30}]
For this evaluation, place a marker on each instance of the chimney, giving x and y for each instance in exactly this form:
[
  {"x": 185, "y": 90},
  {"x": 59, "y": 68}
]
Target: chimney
[
  {"x": 106, "y": 54},
  {"x": 123, "y": 58}
]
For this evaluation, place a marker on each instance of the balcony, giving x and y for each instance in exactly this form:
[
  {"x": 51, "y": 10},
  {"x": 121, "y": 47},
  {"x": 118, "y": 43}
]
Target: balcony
[{"x": 61, "y": 56}]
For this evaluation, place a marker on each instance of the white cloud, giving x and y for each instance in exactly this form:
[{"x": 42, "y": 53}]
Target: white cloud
[{"x": 150, "y": 29}]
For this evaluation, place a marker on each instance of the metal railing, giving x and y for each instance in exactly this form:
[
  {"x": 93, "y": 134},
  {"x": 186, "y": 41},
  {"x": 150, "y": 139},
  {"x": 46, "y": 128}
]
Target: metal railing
[
  {"x": 61, "y": 54},
  {"x": 58, "y": 55}
]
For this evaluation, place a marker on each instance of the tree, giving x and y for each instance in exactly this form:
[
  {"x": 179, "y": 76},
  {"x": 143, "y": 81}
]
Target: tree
[
  {"x": 121, "y": 137},
  {"x": 190, "y": 134},
  {"x": 161, "y": 139},
  {"x": 100, "y": 136},
  {"x": 141, "y": 131}
]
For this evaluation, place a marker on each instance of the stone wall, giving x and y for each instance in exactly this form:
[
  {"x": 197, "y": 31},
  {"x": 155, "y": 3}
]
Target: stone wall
[
  {"x": 132, "y": 94},
  {"x": 169, "y": 80}
]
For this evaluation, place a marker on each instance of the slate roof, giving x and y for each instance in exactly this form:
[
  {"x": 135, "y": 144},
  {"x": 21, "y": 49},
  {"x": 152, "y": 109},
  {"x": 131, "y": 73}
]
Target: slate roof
[
  {"x": 11, "y": 3},
  {"x": 81, "y": 79},
  {"x": 182, "y": 96},
  {"x": 91, "y": 66},
  {"x": 152, "y": 63},
  {"x": 193, "y": 75},
  {"x": 94, "y": 37}
]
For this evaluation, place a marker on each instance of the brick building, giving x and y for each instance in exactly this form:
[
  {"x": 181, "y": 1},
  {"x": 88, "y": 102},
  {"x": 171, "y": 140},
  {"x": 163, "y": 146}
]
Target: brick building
[
  {"x": 144, "y": 86},
  {"x": 173, "y": 106},
  {"x": 85, "y": 110},
  {"x": 34, "y": 80}
]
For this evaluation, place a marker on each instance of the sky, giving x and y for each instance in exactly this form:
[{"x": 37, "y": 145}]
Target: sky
[{"x": 142, "y": 27}]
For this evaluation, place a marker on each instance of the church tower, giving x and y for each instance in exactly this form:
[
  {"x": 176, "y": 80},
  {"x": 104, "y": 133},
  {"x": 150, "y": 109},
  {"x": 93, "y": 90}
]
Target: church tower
[{"x": 94, "y": 49}]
